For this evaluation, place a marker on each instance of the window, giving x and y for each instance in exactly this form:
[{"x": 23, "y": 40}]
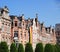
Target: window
[
  {"x": 9, "y": 24},
  {"x": 3, "y": 23},
  {"x": 8, "y": 30},
  {"x": 2, "y": 28},
  {"x": 15, "y": 33},
  {"x": 3, "y": 37},
  {"x": 20, "y": 24},
  {"x": 23, "y": 23},
  {"x": 1, "y": 12},
  {"x": 21, "y": 35},
  {"x": 25, "y": 35},
  {"x": 57, "y": 28},
  {"x": 9, "y": 38},
  {"x": 58, "y": 33},
  {"x": 6, "y": 24},
  {"x": 15, "y": 23}
]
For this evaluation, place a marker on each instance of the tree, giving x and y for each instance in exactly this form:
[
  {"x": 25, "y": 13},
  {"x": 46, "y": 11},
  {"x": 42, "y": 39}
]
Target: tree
[
  {"x": 28, "y": 47},
  {"x": 39, "y": 47},
  {"x": 3, "y": 47},
  {"x": 13, "y": 48},
  {"x": 20, "y": 48},
  {"x": 48, "y": 48}
]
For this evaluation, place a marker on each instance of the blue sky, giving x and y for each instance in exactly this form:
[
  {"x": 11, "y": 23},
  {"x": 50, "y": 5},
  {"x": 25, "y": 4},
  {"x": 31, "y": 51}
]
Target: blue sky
[{"x": 48, "y": 10}]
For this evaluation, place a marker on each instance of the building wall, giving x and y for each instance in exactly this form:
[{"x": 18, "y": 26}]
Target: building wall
[
  {"x": 47, "y": 35},
  {"x": 23, "y": 36},
  {"x": 5, "y": 26},
  {"x": 57, "y": 29},
  {"x": 20, "y": 30},
  {"x": 40, "y": 34}
]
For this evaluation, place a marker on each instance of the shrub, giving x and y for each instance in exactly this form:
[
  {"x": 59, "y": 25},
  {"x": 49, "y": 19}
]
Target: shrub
[
  {"x": 48, "y": 48},
  {"x": 20, "y": 48},
  {"x": 28, "y": 48},
  {"x": 3, "y": 47},
  {"x": 39, "y": 47},
  {"x": 13, "y": 48},
  {"x": 57, "y": 47}
]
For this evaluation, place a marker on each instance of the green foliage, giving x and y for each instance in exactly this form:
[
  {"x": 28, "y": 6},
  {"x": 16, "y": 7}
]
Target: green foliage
[
  {"x": 13, "y": 48},
  {"x": 28, "y": 48},
  {"x": 3, "y": 47},
  {"x": 20, "y": 48},
  {"x": 57, "y": 47},
  {"x": 39, "y": 47},
  {"x": 48, "y": 48}
]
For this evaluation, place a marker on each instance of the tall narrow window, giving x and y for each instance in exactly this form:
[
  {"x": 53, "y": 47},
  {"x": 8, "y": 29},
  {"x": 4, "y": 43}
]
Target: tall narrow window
[
  {"x": 15, "y": 23},
  {"x": 25, "y": 35},
  {"x": 20, "y": 24},
  {"x": 58, "y": 33},
  {"x": 21, "y": 35},
  {"x": 15, "y": 33}
]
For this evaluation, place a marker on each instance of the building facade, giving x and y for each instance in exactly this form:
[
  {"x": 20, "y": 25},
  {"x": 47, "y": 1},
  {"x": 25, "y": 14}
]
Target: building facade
[
  {"x": 5, "y": 25},
  {"x": 42, "y": 34},
  {"x": 57, "y": 29},
  {"x": 20, "y": 30}
]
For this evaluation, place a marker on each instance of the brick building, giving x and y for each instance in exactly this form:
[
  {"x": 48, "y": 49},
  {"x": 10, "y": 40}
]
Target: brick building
[
  {"x": 5, "y": 25},
  {"x": 40, "y": 33},
  {"x": 20, "y": 30},
  {"x": 57, "y": 29}
]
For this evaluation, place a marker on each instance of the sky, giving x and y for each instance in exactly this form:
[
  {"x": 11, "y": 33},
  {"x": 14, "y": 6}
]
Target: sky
[{"x": 48, "y": 10}]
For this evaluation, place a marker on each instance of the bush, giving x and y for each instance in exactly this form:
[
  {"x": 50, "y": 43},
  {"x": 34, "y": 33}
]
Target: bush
[
  {"x": 39, "y": 47},
  {"x": 20, "y": 48},
  {"x": 13, "y": 48},
  {"x": 3, "y": 47},
  {"x": 48, "y": 48},
  {"x": 57, "y": 47},
  {"x": 28, "y": 48}
]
